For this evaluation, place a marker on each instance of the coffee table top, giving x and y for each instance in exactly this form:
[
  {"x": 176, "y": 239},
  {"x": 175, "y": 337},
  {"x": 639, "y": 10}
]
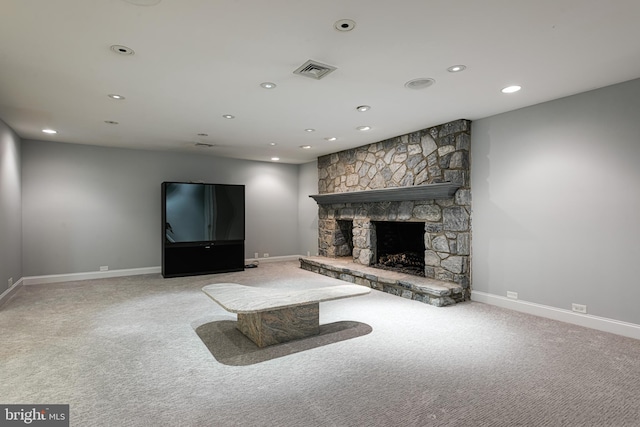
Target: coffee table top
[{"x": 238, "y": 298}]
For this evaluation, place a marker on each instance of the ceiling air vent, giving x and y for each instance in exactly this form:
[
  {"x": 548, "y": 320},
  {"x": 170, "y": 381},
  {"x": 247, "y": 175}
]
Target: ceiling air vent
[{"x": 314, "y": 69}]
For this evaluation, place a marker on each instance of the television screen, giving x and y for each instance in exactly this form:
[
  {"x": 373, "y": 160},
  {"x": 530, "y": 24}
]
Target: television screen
[{"x": 196, "y": 212}]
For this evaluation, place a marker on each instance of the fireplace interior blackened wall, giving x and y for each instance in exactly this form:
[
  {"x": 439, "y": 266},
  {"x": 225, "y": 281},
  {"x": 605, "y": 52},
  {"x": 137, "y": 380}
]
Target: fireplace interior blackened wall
[
  {"x": 400, "y": 246},
  {"x": 344, "y": 238},
  {"x": 394, "y": 237}
]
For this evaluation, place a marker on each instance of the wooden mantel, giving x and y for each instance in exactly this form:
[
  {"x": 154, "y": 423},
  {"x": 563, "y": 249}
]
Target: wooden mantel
[{"x": 442, "y": 190}]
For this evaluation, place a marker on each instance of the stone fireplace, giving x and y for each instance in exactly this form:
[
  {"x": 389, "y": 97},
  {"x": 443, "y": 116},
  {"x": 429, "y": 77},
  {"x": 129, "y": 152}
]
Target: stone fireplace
[{"x": 412, "y": 192}]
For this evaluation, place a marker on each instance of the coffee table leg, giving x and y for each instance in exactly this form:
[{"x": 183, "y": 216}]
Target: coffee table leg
[{"x": 277, "y": 326}]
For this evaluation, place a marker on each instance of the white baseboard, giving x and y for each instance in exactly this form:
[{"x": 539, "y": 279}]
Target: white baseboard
[
  {"x": 57, "y": 278},
  {"x": 613, "y": 326},
  {"x": 4, "y": 297}
]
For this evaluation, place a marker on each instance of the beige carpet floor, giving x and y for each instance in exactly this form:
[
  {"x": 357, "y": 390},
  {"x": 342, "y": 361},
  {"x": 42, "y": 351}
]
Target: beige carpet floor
[{"x": 148, "y": 351}]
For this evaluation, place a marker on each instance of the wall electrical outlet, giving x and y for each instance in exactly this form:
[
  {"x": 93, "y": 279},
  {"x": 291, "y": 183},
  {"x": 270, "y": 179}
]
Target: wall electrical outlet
[
  {"x": 512, "y": 295},
  {"x": 579, "y": 308},
  {"x": 10, "y": 281},
  {"x": 308, "y": 253},
  {"x": 265, "y": 255},
  {"x": 104, "y": 268},
  {"x": 256, "y": 255}
]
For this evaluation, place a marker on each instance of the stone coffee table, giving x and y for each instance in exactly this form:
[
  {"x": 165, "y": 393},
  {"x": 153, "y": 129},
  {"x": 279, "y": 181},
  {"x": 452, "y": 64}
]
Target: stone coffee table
[{"x": 270, "y": 316}]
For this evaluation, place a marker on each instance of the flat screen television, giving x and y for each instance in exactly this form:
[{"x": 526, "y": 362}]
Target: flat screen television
[{"x": 202, "y": 213}]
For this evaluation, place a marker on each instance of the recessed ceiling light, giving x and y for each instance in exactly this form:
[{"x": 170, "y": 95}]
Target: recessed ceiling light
[
  {"x": 228, "y": 116},
  {"x": 111, "y": 122},
  {"x": 364, "y": 128},
  {"x": 305, "y": 147},
  {"x": 511, "y": 89},
  {"x": 115, "y": 96},
  {"x": 344, "y": 25},
  {"x": 331, "y": 138},
  {"x": 363, "y": 108},
  {"x": 273, "y": 144},
  {"x": 268, "y": 85},
  {"x": 50, "y": 131},
  {"x": 421, "y": 83},
  {"x": 275, "y": 159},
  {"x": 122, "y": 50},
  {"x": 309, "y": 130},
  {"x": 456, "y": 68}
]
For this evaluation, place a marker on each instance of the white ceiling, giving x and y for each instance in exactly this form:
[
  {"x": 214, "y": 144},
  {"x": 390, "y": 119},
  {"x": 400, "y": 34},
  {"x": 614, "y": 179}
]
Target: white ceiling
[{"x": 196, "y": 60}]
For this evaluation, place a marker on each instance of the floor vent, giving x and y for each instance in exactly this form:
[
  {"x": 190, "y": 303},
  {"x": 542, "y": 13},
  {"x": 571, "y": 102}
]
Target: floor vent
[{"x": 314, "y": 69}]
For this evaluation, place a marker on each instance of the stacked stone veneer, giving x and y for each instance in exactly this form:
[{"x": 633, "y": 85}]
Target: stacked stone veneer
[{"x": 434, "y": 155}]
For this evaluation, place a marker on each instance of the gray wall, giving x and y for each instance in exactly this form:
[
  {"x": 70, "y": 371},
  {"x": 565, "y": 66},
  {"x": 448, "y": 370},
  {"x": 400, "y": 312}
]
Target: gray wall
[
  {"x": 556, "y": 202},
  {"x": 86, "y": 206},
  {"x": 308, "y": 208},
  {"x": 10, "y": 207}
]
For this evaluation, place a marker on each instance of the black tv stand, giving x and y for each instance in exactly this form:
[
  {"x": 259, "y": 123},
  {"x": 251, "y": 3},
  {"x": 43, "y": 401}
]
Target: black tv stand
[{"x": 189, "y": 259}]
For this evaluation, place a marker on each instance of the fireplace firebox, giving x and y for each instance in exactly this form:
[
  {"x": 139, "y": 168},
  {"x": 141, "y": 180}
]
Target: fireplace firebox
[{"x": 399, "y": 246}]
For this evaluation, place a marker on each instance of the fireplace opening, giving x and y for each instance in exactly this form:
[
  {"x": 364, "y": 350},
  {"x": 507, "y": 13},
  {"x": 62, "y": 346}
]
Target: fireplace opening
[
  {"x": 400, "y": 247},
  {"x": 343, "y": 238}
]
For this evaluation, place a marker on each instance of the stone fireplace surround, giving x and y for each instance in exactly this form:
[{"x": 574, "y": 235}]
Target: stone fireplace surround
[{"x": 423, "y": 160}]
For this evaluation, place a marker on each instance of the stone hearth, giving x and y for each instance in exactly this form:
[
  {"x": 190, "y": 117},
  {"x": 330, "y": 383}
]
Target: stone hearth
[
  {"x": 428, "y": 158},
  {"x": 429, "y": 291}
]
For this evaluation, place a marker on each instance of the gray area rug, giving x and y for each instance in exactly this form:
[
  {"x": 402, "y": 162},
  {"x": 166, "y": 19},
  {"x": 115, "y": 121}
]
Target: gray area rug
[
  {"x": 229, "y": 346},
  {"x": 148, "y": 351}
]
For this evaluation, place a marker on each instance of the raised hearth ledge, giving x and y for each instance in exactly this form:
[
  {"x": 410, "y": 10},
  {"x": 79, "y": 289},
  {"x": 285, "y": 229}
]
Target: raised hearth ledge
[
  {"x": 442, "y": 190},
  {"x": 429, "y": 291}
]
